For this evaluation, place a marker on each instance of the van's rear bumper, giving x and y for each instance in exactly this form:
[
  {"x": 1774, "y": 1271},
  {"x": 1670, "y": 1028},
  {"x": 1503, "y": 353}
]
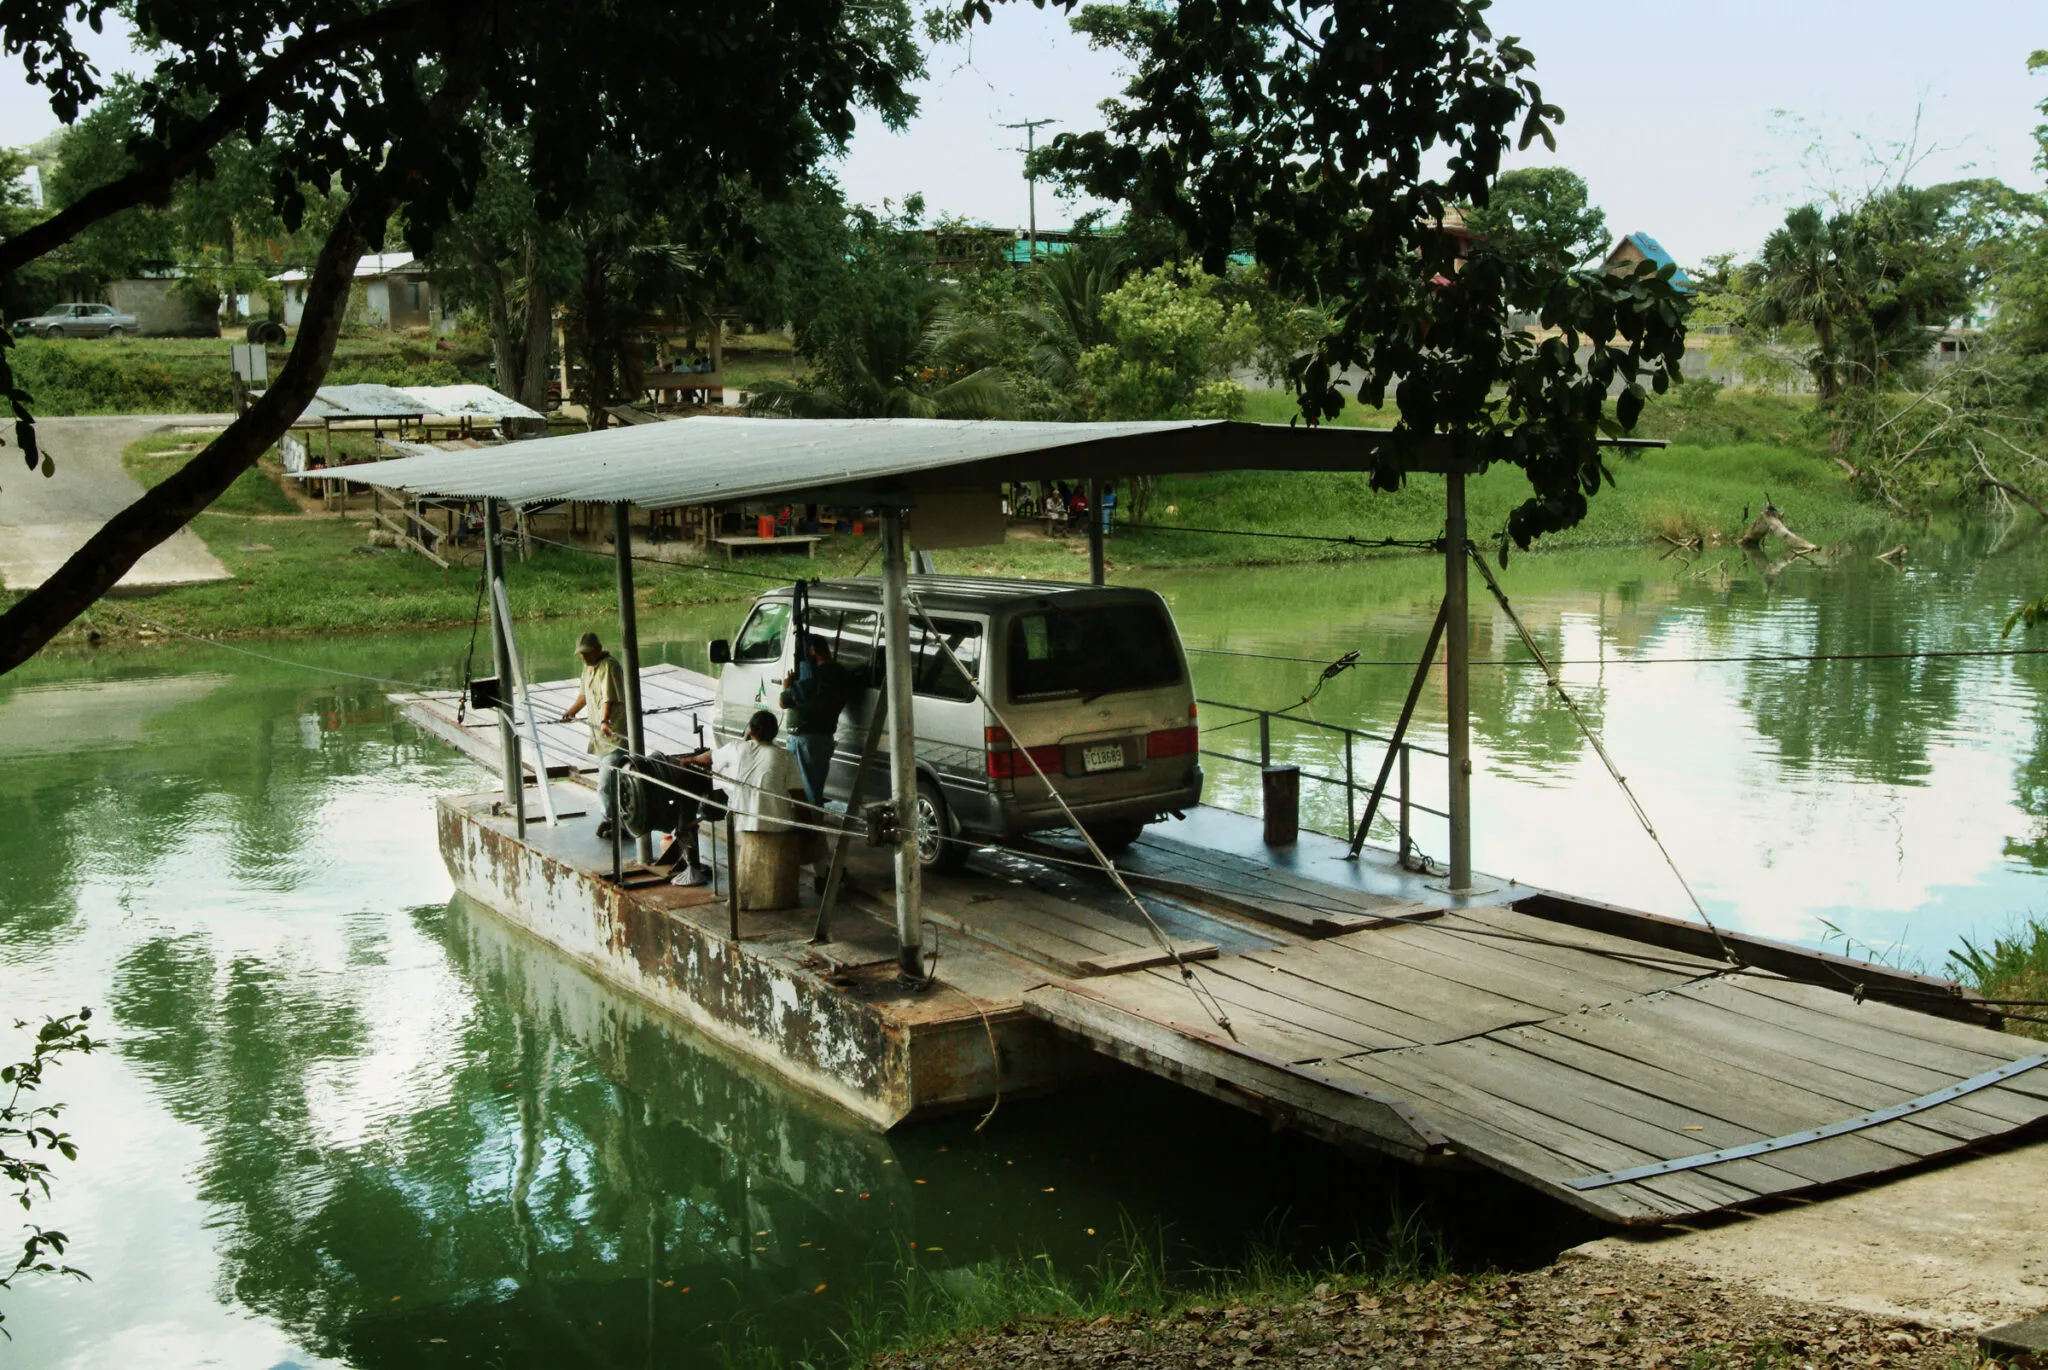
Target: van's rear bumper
[{"x": 1007, "y": 815}]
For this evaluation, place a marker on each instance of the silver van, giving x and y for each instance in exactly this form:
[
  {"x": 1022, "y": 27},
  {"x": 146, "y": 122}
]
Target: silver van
[{"x": 1091, "y": 680}]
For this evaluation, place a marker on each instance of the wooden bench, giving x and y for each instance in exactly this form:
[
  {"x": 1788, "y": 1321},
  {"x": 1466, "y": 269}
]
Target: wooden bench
[{"x": 733, "y": 543}]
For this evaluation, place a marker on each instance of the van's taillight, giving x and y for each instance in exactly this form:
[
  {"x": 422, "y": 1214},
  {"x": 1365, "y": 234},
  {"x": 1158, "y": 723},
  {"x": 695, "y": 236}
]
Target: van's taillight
[
  {"x": 1006, "y": 762},
  {"x": 1172, "y": 742}
]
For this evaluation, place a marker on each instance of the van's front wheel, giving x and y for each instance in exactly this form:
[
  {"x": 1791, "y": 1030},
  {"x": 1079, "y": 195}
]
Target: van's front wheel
[{"x": 937, "y": 847}]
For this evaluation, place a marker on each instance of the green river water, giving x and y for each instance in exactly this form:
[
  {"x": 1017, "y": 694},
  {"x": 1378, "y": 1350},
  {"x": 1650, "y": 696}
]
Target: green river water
[{"x": 344, "y": 1119}]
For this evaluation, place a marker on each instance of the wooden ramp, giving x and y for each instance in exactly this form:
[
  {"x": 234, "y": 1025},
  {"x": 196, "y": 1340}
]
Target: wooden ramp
[
  {"x": 1638, "y": 1083},
  {"x": 675, "y": 704}
]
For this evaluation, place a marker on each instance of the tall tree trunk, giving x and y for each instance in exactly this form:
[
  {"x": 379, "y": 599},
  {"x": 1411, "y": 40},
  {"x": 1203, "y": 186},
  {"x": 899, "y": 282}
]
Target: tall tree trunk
[
  {"x": 107, "y": 556},
  {"x": 538, "y": 333},
  {"x": 504, "y": 353}
]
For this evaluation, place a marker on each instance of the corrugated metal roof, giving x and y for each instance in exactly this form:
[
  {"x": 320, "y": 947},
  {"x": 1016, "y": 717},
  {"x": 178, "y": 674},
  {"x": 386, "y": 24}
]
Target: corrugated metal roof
[
  {"x": 1654, "y": 250},
  {"x": 345, "y": 402},
  {"x": 376, "y": 264},
  {"x": 712, "y": 459},
  {"x": 479, "y": 400}
]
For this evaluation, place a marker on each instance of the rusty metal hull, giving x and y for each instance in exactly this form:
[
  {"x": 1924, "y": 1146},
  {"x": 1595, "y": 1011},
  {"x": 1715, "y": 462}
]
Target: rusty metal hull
[{"x": 848, "y": 1034}]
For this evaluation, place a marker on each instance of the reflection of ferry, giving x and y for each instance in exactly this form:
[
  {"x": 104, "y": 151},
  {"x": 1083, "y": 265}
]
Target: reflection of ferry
[
  {"x": 809, "y": 1153},
  {"x": 1639, "y": 1067}
]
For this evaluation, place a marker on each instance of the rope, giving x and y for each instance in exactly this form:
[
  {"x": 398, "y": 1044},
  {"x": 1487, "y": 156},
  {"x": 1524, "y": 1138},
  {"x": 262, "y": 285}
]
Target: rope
[
  {"x": 1600, "y": 750},
  {"x": 413, "y": 686},
  {"x": 1330, "y": 673},
  {"x": 1207, "y": 1001},
  {"x": 476, "y": 618}
]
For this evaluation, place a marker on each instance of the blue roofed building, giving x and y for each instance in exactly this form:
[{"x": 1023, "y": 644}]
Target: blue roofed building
[{"x": 1641, "y": 247}]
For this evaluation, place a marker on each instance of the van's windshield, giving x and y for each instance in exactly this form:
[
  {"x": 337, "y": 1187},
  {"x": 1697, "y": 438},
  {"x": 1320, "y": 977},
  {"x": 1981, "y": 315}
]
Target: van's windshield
[{"x": 1097, "y": 650}]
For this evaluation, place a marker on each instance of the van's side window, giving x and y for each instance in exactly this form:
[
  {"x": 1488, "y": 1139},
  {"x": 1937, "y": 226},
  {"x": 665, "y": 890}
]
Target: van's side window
[
  {"x": 1090, "y": 652},
  {"x": 761, "y": 639},
  {"x": 933, "y": 675},
  {"x": 850, "y": 633},
  {"x": 936, "y": 676}
]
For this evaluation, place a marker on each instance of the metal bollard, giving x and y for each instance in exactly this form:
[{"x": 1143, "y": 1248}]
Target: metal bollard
[{"x": 1282, "y": 804}]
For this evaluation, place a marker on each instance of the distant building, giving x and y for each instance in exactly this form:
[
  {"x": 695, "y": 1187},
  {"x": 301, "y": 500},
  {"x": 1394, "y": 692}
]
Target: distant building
[
  {"x": 397, "y": 292},
  {"x": 1641, "y": 247}
]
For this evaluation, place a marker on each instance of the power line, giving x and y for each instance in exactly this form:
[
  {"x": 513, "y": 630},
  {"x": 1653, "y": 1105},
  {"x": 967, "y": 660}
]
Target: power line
[{"x": 1754, "y": 659}]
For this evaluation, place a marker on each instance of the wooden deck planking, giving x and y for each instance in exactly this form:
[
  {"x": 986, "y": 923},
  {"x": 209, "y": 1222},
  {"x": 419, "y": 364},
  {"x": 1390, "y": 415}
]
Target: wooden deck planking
[
  {"x": 1645, "y": 1127},
  {"x": 1561, "y": 944},
  {"x": 1457, "y": 1010},
  {"x": 1486, "y": 971},
  {"x": 1227, "y": 979},
  {"x": 1938, "y": 1043},
  {"x": 1855, "y": 1076},
  {"x": 1783, "y": 1086},
  {"x": 1526, "y": 962},
  {"x": 1541, "y": 1151},
  {"x": 1724, "y": 1117},
  {"x": 1890, "y": 1052}
]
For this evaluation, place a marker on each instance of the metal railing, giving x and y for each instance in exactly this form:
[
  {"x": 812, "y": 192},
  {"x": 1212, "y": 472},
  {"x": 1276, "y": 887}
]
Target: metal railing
[{"x": 1401, "y": 791}]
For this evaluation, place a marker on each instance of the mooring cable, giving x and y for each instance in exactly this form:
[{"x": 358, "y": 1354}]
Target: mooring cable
[{"x": 1599, "y": 749}]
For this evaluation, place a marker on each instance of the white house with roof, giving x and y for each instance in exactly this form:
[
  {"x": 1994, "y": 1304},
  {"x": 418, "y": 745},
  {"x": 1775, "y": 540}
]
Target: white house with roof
[{"x": 397, "y": 292}]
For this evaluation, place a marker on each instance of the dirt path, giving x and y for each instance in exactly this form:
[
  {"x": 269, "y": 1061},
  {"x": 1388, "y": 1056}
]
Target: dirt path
[
  {"x": 1575, "y": 1315},
  {"x": 1962, "y": 1245},
  {"x": 42, "y": 522}
]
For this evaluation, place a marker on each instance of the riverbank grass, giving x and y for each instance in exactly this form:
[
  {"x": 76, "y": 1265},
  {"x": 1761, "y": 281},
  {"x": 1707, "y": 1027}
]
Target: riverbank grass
[
  {"x": 923, "y": 1303},
  {"x": 2013, "y": 967}
]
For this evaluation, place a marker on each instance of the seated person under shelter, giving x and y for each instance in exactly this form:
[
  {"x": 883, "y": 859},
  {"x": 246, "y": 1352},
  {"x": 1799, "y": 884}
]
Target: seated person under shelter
[{"x": 761, "y": 779}]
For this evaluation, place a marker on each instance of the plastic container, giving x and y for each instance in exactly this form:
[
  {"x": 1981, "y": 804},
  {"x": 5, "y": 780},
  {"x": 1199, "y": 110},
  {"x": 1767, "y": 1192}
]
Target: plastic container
[{"x": 765, "y": 526}]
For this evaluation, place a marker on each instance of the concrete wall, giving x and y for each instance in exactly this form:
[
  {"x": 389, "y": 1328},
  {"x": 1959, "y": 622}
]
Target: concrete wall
[{"x": 161, "y": 311}]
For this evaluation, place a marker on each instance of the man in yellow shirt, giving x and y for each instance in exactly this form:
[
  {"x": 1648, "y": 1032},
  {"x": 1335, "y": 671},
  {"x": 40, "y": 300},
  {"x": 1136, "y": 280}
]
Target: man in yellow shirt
[{"x": 603, "y": 692}]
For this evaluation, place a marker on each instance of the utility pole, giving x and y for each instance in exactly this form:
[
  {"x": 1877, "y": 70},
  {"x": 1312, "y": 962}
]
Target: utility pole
[{"x": 1031, "y": 127}]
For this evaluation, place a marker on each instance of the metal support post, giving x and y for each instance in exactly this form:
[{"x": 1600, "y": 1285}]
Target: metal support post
[
  {"x": 501, "y": 653},
  {"x": 629, "y": 656},
  {"x": 520, "y": 807},
  {"x": 1265, "y": 739},
  {"x": 902, "y": 746},
  {"x": 1406, "y": 752},
  {"x": 1398, "y": 742},
  {"x": 732, "y": 874},
  {"x": 1350, "y": 782},
  {"x": 1457, "y": 680},
  {"x": 1095, "y": 570}
]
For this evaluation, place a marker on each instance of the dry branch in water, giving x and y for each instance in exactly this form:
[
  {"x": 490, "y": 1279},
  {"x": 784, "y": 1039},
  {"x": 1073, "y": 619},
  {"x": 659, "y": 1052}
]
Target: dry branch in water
[{"x": 1771, "y": 522}]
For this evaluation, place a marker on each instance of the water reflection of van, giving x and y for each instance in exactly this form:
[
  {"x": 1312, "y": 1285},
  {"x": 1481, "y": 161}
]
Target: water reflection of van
[{"x": 1091, "y": 680}]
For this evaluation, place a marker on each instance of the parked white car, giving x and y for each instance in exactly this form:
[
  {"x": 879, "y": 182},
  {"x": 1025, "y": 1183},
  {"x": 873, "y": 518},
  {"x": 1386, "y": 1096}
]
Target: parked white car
[{"x": 76, "y": 321}]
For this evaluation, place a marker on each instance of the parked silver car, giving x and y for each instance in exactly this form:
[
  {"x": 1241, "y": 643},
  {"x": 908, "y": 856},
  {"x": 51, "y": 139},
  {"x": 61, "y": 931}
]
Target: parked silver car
[
  {"x": 1093, "y": 681},
  {"x": 76, "y": 321}
]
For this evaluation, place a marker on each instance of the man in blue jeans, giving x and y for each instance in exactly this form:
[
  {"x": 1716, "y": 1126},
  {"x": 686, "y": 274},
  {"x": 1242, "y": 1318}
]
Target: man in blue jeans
[{"x": 814, "y": 695}]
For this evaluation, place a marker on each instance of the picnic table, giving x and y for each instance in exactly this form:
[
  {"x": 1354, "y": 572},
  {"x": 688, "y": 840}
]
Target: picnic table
[{"x": 733, "y": 543}]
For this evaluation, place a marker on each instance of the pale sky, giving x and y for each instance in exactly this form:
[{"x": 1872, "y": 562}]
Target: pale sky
[{"x": 1682, "y": 116}]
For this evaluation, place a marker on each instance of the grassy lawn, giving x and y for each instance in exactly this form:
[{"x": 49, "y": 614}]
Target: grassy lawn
[{"x": 310, "y": 572}]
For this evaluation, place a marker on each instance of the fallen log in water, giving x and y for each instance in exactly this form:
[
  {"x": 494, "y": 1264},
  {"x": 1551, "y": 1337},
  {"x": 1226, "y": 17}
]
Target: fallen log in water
[{"x": 1772, "y": 522}]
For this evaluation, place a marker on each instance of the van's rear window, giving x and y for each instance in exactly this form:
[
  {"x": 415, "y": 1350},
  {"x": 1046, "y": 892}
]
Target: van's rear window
[{"x": 1099, "y": 650}]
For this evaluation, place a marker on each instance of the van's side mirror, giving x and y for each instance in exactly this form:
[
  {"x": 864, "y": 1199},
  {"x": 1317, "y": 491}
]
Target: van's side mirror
[{"x": 721, "y": 652}]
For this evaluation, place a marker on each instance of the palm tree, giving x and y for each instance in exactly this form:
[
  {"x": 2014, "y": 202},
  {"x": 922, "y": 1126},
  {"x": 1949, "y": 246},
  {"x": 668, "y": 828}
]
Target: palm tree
[
  {"x": 1808, "y": 275},
  {"x": 1066, "y": 320},
  {"x": 935, "y": 369}
]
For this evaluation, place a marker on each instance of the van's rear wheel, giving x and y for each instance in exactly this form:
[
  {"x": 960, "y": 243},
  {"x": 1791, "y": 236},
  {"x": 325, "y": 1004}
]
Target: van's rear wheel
[
  {"x": 1116, "y": 834},
  {"x": 936, "y": 848}
]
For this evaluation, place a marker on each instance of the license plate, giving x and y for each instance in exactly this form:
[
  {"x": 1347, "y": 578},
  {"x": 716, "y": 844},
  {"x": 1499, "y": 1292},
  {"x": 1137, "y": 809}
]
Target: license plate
[{"x": 1107, "y": 756}]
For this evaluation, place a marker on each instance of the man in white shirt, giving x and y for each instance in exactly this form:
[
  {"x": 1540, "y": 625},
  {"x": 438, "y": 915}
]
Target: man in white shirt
[{"x": 760, "y": 779}]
